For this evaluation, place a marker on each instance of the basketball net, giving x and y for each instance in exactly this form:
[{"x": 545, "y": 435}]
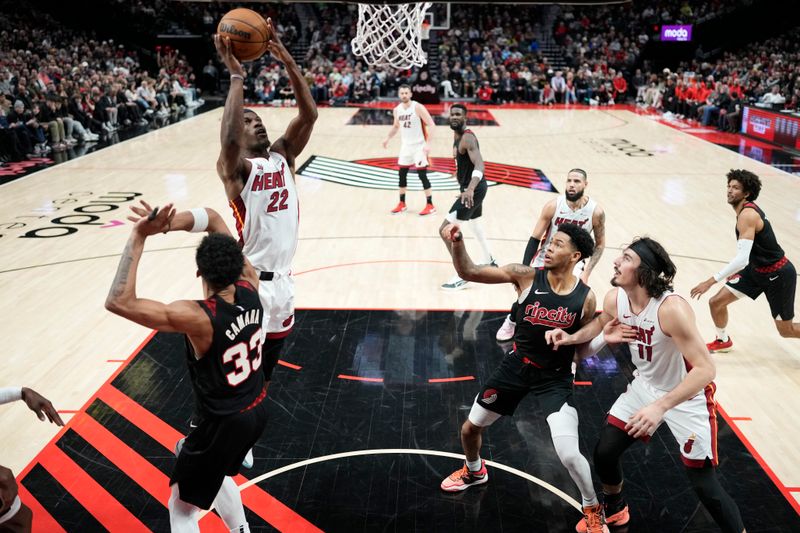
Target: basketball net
[{"x": 390, "y": 35}]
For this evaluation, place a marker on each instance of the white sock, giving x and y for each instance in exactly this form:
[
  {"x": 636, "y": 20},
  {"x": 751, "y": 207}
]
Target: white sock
[
  {"x": 477, "y": 228},
  {"x": 722, "y": 335},
  {"x": 228, "y": 504},
  {"x": 182, "y": 515},
  {"x": 475, "y": 465}
]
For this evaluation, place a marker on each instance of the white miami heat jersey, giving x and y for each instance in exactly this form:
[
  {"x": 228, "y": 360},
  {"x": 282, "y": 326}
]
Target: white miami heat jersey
[
  {"x": 267, "y": 213},
  {"x": 565, "y": 214},
  {"x": 412, "y": 129},
  {"x": 655, "y": 355}
]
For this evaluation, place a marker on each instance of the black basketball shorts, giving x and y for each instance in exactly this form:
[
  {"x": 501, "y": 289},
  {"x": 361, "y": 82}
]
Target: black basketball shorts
[
  {"x": 468, "y": 213},
  {"x": 514, "y": 379},
  {"x": 779, "y": 286},
  {"x": 215, "y": 449}
]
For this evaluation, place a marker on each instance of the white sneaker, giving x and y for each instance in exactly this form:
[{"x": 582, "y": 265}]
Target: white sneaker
[
  {"x": 248, "y": 459},
  {"x": 455, "y": 284},
  {"x": 506, "y": 331}
]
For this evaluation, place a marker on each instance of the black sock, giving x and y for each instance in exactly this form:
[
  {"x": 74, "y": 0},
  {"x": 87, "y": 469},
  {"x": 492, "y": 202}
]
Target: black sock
[
  {"x": 403, "y": 198},
  {"x": 614, "y": 503},
  {"x": 429, "y": 199}
]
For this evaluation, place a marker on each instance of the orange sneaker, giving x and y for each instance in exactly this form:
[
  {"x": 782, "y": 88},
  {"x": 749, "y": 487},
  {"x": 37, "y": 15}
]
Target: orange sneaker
[
  {"x": 720, "y": 346},
  {"x": 615, "y": 520},
  {"x": 595, "y": 519},
  {"x": 429, "y": 210},
  {"x": 464, "y": 478},
  {"x": 400, "y": 208}
]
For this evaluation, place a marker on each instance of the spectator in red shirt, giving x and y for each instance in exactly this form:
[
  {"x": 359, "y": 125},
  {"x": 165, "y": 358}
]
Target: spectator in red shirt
[
  {"x": 620, "y": 87},
  {"x": 485, "y": 93}
]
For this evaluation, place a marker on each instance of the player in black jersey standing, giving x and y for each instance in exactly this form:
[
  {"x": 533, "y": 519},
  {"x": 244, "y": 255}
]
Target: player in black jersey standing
[
  {"x": 223, "y": 349},
  {"x": 549, "y": 298},
  {"x": 469, "y": 172},
  {"x": 760, "y": 265}
]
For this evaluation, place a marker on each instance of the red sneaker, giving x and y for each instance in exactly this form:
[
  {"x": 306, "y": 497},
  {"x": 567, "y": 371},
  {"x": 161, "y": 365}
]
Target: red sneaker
[
  {"x": 464, "y": 478},
  {"x": 429, "y": 210},
  {"x": 400, "y": 208},
  {"x": 720, "y": 346},
  {"x": 615, "y": 520}
]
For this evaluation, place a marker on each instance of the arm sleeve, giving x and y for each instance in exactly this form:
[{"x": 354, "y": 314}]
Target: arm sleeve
[
  {"x": 590, "y": 348},
  {"x": 530, "y": 251},
  {"x": 743, "y": 248},
  {"x": 10, "y": 394}
]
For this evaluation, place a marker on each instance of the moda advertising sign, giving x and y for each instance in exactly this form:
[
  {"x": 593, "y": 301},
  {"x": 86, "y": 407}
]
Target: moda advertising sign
[{"x": 680, "y": 33}]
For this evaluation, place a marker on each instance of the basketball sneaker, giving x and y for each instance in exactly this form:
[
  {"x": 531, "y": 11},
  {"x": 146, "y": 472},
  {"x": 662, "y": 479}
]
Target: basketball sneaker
[
  {"x": 506, "y": 331},
  {"x": 720, "y": 346},
  {"x": 400, "y": 208},
  {"x": 594, "y": 519},
  {"x": 429, "y": 210},
  {"x": 464, "y": 478},
  {"x": 615, "y": 520},
  {"x": 248, "y": 459},
  {"x": 455, "y": 284}
]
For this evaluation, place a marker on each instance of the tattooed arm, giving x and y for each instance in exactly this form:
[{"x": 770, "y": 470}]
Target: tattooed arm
[
  {"x": 520, "y": 276},
  {"x": 182, "y": 316},
  {"x": 599, "y": 230}
]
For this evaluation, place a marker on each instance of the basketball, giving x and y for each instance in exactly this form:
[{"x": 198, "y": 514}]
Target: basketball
[{"x": 247, "y": 31}]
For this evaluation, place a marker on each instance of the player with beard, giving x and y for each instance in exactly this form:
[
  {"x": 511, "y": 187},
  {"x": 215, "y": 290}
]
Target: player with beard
[
  {"x": 672, "y": 383},
  {"x": 572, "y": 207},
  {"x": 760, "y": 266},
  {"x": 258, "y": 176},
  {"x": 416, "y": 129},
  {"x": 469, "y": 173},
  {"x": 549, "y": 298}
]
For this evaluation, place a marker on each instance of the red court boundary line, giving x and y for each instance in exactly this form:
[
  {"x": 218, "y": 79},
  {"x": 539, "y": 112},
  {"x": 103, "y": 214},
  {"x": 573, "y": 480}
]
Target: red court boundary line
[
  {"x": 583, "y": 383},
  {"x": 446, "y": 380},
  {"x": 272, "y": 510},
  {"x": 359, "y": 378},
  {"x": 760, "y": 460},
  {"x": 66, "y": 411},
  {"x": 742, "y": 418},
  {"x": 43, "y": 522},
  {"x": 289, "y": 365},
  {"x": 92, "y": 398},
  {"x": 793, "y": 489},
  {"x": 90, "y": 494},
  {"x": 139, "y": 469}
]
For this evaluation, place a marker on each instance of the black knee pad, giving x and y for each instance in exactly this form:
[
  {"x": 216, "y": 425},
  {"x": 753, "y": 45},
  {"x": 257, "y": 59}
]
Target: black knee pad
[
  {"x": 607, "y": 453},
  {"x": 423, "y": 177},
  {"x": 403, "y": 177}
]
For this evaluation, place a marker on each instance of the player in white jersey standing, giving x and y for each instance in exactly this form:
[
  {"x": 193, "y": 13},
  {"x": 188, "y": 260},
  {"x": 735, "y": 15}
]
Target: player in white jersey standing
[
  {"x": 258, "y": 176},
  {"x": 572, "y": 207},
  {"x": 416, "y": 129},
  {"x": 672, "y": 383}
]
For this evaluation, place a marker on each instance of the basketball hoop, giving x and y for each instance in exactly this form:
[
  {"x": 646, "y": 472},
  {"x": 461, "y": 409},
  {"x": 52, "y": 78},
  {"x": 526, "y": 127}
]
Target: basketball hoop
[{"x": 390, "y": 35}]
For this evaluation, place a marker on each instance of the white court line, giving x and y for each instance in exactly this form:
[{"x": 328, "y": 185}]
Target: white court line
[{"x": 389, "y": 451}]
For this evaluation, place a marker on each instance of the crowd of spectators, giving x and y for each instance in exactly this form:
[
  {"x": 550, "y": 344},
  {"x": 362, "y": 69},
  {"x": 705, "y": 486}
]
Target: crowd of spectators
[{"x": 60, "y": 87}]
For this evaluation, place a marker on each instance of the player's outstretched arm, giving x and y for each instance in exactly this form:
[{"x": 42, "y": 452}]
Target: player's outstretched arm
[
  {"x": 677, "y": 321},
  {"x": 746, "y": 225},
  {"x": 231, "y": 167},
  {"x": 181, "y": 316},
  {"x": 518, "y": 275},
  {"x": 299, "y": 131}
]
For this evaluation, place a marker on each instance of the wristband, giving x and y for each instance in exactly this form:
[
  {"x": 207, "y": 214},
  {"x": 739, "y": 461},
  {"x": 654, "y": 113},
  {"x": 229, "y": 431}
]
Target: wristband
[
  {"x": 10, "y": 394},
  {"x": 596, "y": 344},
  {"x": 200, "y": 219},
  {"x": 477, "y": 174},
  {"x": 235, "y": 76}
]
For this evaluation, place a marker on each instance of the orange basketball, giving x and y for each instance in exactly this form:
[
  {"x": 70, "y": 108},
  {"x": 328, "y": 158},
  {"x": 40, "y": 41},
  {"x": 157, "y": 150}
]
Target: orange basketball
[{"x": 247, "y": 31}]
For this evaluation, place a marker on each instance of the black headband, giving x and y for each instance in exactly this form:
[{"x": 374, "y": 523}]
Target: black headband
[{"x": 646, "y": 255}]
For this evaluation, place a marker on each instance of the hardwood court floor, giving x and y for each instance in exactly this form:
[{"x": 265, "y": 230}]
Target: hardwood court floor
[{"x": 63, "y": 228}]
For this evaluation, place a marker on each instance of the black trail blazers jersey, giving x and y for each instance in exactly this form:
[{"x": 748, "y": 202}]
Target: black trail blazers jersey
[
  {"x": 228, "y": 378},
  {"x": 543, "y": 310}
]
